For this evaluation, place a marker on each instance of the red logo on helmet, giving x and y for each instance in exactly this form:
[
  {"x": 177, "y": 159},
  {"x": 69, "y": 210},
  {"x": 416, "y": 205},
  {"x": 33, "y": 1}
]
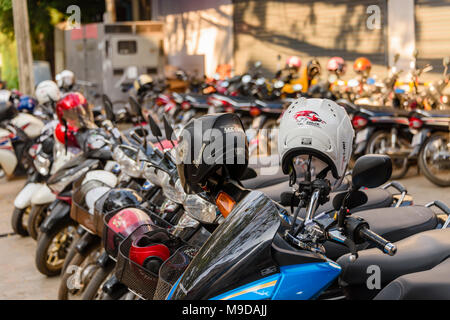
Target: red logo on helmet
[{"x": 310, "y": 115}]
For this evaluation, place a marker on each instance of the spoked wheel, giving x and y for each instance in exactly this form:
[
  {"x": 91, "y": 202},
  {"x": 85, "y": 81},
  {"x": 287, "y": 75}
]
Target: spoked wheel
[
  {"x": 19, "y": 221},
  {"x": 381, "y": 143},
  {"x": 52, "y": 249},
  {"x": 434, "y": 159},
  {"x": 78, "y": 274}
]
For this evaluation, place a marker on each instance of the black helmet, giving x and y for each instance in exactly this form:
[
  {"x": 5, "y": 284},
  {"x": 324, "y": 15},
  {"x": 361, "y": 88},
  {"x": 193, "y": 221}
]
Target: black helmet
[
  {"x": 212, "y": 147},
  {"x": 314, "y": 68},
  {"x": 7, "y": 111},
  {"x": 116, "y": 199}
]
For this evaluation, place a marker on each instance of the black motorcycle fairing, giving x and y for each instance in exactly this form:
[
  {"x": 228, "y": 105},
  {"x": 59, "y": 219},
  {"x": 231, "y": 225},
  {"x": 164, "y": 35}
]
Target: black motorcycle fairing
[
  {"x": 239, "y": 249},
  {"x": 59, "y": 215},
  {"x": 238, "y": 252},
  {"x": 71, "y": 167}
]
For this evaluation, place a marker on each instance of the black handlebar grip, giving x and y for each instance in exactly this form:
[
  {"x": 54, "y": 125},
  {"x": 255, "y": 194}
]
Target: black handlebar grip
[
  {"x": 378, "y": 241},
  {"x": 442, "y": 206},
  {"x": 399, "y": 186}
]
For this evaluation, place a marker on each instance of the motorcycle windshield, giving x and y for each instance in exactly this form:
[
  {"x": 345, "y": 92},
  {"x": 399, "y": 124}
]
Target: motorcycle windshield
[{"x": 238, "y": 252}]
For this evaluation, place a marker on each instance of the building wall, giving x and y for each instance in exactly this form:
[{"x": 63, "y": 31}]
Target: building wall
[
  {"x": 272, "y": 30},
  {"x": 202, "y": 28}
]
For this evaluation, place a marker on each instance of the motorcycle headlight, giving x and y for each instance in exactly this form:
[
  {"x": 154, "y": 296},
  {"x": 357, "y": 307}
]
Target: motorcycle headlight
[
  {"x": 173, "y": 192},
  {"x": 152, "y": 174},
  {"x": 42, "y": 164},
  {"x": 127, "y": 164},
  {"x": 200, "y": 209}
]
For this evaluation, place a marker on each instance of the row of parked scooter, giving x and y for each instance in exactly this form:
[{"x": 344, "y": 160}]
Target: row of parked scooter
[
  {"x": 408, "y": 129},
  {"x": 142, "y": 214}
]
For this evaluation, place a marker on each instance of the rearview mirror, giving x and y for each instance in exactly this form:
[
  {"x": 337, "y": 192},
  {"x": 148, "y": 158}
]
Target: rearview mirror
[
  {"x": 396, "y": 57},
  {"x": 135, "y": 107},
  {"x": 371, "y": 171},
  {"x": 427, "y": 68},
  {"x": 108, "y": 106},
  {"x": 168, "y": 129},
  {"x": 154, "y": 128}
]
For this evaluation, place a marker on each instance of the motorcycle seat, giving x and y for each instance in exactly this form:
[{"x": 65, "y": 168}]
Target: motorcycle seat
[
  {"x": 393, "y": 224},
  {"x": 240, "y": 101},
  {"x": 197, "y": 99},
  {"x": 419, "y": 252},
  {"x": 383, "y": 111},
  {"x": 433, "y": 284},
  {"x": 435, "y": 113},
  {"x": 274, "y": 105},
  {"x": 265, "y": 180}
]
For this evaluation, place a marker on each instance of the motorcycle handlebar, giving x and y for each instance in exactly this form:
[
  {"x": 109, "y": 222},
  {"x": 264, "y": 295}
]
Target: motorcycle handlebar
[{"x": 381, "y": 243}]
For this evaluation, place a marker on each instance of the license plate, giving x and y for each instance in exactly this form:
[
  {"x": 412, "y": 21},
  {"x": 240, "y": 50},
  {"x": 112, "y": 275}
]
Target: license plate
[
  {"x": 417, "y": 139},
  {"x": 362, "y": 136}
]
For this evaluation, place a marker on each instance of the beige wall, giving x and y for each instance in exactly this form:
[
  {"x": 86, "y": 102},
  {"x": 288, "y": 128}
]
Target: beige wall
[
  {"x": 198, "y": 28},
  {"x": 265, "y": 29}
]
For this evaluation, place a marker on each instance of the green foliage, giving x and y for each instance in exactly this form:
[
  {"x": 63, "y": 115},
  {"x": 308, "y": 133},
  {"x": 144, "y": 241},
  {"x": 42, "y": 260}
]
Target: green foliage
[{"x": 43, "y": 15}]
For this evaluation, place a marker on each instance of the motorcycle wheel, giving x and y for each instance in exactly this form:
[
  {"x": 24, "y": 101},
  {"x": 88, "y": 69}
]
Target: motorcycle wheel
[
  {"x": 18, "y": 221},
  {"x": 94, "y": 289},
  {"x": 52, "y": 249},
  {"x": 375, "y": 145},
  {"x": 431, "y": 147},
  {"x": 88, "y": 264},
  {"x": 37, "y": 216}
]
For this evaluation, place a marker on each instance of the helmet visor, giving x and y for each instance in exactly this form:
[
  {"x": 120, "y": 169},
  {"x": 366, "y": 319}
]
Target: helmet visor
[
  {"x": 78, "y": 117},
  {"x": 317, "y": 168}
]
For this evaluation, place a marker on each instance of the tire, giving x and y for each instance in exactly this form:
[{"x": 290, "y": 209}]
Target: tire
[
  {"x": 17, "y": 222},
  {"x": 45, "y": 240},
  {"x": 423, "y": 166},
  {"x": 399, "y": 168},
  {"x": 70, "y": 254},
  {"x": 91, "y": 292},
  {"x": 77, "y": 260},
  {"x": 37, "y": 216}
]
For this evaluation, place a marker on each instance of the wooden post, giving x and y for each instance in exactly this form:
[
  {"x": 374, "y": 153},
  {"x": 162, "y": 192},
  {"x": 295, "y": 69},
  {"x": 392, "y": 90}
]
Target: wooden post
[
  {"x": 110, "y": 11},
  {"x": 25, "y": 58}
]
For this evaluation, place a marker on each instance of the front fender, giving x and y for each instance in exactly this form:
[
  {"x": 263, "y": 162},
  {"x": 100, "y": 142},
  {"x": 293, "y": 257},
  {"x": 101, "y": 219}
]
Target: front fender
[
  {"x": 59, "y": 215},
  {"x": 23, "y": 199},
  {"x": 43, "y": 195}
]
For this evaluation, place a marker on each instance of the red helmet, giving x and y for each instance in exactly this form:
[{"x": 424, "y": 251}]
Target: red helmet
[
  {"x": 362, "y": 65},
  {"x": 294, "y": 62},
  {"x": 60, "y": 134},
  {"x": 149, "y": 250},
  {"x": 127, "y": 220},
  {"x": 74, "y": 109},
  {"x": 337, "y": 65}
]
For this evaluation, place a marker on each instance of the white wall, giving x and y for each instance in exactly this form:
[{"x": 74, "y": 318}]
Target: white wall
[
  {"x": 200, "y": 27},
  {"x": 401, "y": 32}
]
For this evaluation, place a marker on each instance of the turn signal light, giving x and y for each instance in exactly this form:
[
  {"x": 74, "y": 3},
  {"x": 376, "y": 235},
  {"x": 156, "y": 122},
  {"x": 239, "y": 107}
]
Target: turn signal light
[
  {"x": 359, "y": 122},
  {"x": 415, "y": 123},
  {"x": 225, "y": 204},
  {"x": 185, "y": 105},
  {"x": 254, "y": 112}
]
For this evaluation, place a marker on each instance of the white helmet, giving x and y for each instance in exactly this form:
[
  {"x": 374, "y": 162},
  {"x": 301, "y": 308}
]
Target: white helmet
[
  {"x": 47, "y": 91},
  {"x": 319, "y": 128},
  {"x": 67, "y": 78}
]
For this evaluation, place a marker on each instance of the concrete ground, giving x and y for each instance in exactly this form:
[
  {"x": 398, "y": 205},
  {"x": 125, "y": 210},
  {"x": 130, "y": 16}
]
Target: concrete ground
[{"x": 19, "y": 278}]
